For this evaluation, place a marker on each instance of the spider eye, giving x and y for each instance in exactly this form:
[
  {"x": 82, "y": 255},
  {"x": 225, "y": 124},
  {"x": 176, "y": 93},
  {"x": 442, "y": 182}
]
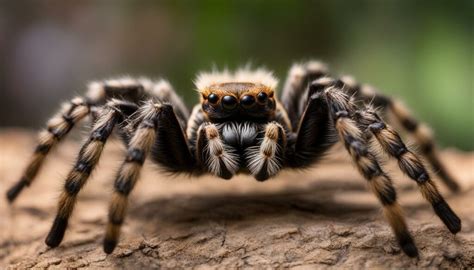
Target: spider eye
[
  {"x": 229, "y": 102},
  {"x": 262, "y": 97},
  {"x": 213, "y": 98},
  {"x": 247, "y": 101}
]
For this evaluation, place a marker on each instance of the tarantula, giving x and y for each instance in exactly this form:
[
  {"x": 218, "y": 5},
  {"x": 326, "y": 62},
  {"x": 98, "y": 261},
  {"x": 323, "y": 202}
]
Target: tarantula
[{"x": 240, "y": 126}]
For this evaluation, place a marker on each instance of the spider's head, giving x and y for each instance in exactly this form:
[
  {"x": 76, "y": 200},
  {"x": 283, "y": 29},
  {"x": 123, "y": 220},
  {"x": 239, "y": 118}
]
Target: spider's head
[{"x": 245, "y": 94}]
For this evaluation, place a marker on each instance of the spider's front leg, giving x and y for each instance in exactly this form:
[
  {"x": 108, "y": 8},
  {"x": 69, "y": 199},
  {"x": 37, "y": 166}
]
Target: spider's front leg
[{"x": 158, "y": 133}]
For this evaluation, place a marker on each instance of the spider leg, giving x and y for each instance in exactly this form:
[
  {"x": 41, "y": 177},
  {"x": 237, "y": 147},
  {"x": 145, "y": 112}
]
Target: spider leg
[
  {"x": 425, "y": 138},
  {"x": 366, "y": 162},
  {"x": 164, "y": 92},
  {"x": 57, "y": 128},
  {"x": 155, "y": 120},
  {"x": 421, "y": 131},
  {"x": 410, "y": 164},
  {"x": 295, "y": 86},
  {"x": 171, "y": 150},
  {"x": 265, "y": 160},
  {"x": 315, "y": 133},
  {"x": 212, "y": 153},
  {"x": 87, "y": 160}
]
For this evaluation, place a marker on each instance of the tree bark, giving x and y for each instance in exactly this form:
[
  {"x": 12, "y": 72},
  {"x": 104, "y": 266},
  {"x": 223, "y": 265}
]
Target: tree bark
[{"x": 317, "y": 218}]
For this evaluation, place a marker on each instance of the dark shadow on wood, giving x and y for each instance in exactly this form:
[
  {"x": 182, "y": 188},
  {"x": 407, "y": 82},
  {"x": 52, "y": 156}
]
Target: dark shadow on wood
[{"x": 316, "y": 200}]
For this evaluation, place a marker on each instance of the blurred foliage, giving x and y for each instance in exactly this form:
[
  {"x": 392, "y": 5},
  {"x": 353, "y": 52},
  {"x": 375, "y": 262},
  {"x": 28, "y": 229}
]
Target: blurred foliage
[{"x": 419, "y": 51}]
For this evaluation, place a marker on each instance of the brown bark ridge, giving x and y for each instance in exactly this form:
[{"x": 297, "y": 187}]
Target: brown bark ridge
[{"x": 320, "y": 218}]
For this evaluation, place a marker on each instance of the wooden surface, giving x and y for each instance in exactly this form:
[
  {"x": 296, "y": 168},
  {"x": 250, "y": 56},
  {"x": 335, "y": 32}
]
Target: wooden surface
[{"x": 324, "y": 217}]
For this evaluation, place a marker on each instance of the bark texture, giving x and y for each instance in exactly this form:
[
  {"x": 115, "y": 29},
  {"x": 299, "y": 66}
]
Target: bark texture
[{"x": 321, "y": 218}]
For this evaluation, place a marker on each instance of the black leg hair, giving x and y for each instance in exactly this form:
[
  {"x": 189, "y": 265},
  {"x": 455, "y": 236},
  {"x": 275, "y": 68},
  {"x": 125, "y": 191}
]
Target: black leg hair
[
  {"x": 171, "y": 149},
  {"x": 57, "y": 128},
  {"x": 420, "y": 131},
  {"x": 410, "y": 164},
  {"x": 165, "y": 93},
  {"x": 315, "y": 133},
  {"x": 299, "y": 76},
  {"x": 88, "y": 158},
  {"x": 366, "y": 162}
]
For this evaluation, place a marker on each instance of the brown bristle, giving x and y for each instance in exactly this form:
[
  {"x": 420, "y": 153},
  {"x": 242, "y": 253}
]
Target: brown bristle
[{"x": 236, "y": 89}]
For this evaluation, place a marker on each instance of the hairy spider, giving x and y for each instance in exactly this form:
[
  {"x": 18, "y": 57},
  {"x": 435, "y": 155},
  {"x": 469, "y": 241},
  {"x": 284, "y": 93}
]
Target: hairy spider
[{"x": 240, "y": 126}]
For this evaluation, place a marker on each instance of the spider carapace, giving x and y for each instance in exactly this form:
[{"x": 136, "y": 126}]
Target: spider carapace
[{"x": 241, "y": 125}]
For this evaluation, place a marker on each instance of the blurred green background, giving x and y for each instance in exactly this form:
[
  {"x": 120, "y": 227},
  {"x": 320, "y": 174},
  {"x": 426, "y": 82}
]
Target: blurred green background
[{"x": 419, "y": 51}]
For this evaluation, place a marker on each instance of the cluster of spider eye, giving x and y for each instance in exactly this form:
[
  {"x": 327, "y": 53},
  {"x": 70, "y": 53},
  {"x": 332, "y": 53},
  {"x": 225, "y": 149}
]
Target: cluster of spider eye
[
  {"x": 230, "y": 103},
  {"x": 240, "y": 125}
]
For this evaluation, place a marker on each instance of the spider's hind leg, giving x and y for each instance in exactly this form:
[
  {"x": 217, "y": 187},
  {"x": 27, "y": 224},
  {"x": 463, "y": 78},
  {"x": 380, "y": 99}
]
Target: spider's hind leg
[
  {"x": 73, "y": 112},
  {"x": 420, "y": 131},
  {"x": 57, "y": 128},
  {"x": 410, "y": 164},
  {"x": 425, "y": 139}
]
